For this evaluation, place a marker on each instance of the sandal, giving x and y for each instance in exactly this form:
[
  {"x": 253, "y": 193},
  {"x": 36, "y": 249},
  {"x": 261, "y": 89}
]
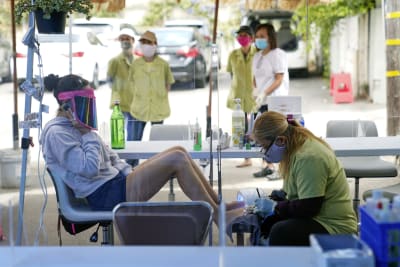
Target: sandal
[{"x": 245, "y": 163}]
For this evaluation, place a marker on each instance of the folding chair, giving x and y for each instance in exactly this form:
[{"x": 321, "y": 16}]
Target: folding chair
[
  {"x": 162, "y": 223},
  {"x": 360, "y": 167},
  {"x": 77, "y": 211}
]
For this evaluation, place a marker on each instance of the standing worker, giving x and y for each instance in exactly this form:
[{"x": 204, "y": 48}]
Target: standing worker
[
  {"x": 152, "y": 79},
  {"x": 239, "y": 66},
  {"x": 118, "y": 77},
  {"x": 271, "y": 78}
]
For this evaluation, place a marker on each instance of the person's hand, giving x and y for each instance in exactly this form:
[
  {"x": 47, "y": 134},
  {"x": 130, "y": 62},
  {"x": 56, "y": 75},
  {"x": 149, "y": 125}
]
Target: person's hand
[
  {"x": 260, "y": 99},
  {"x": 278, "y": 195},
  {"x": 75, "y": 123}
]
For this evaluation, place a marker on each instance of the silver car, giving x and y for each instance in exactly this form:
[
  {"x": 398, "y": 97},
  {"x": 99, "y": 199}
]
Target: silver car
[{"x": 5, "y": 58}]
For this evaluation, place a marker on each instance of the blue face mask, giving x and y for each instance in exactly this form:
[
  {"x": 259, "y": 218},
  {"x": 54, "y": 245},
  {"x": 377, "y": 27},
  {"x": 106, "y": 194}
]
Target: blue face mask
[
  {"x": 275, "y": 153},
  {"x": 261, "y": 43}
]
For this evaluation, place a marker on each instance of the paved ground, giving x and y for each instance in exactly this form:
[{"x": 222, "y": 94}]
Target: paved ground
[{"x": 318, "y": 108}]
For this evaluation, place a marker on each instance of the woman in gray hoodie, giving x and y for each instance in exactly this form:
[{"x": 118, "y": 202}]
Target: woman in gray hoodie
[{"x": 77, "y": 154}]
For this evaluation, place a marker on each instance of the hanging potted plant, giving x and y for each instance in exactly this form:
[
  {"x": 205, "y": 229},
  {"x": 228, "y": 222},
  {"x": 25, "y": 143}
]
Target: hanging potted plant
[{"x": 51, "y": 14}]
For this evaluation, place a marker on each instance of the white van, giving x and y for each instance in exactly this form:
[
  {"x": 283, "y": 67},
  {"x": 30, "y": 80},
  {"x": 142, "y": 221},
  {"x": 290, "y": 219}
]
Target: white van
[{"x": 299, "y": 60}]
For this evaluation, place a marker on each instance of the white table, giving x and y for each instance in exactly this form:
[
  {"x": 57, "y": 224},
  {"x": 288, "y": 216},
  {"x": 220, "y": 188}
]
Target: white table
[
  {"x": 152, "y": 256},
  {"x": 147, "y": 149},
  {"x": 343, "y": 147}
]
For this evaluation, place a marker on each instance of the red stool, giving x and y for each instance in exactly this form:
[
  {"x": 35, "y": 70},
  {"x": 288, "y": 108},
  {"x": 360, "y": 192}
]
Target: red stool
[{"x": 341, "y": 88}]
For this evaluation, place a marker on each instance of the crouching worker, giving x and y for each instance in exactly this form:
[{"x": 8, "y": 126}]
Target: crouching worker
[
  {"x": 76, "y": 153},
  {"x": 318, "y": 196}
]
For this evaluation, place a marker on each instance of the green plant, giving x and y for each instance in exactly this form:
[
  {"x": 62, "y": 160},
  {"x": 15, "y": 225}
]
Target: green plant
[
  {"x": 324, "y": 18},
  {"x": 23, "y": 7}
]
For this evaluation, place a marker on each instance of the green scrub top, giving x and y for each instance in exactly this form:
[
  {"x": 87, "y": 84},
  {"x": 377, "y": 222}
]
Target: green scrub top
[
  {"x": 242, "y": 79},
  {"x": 314, "y": 172}
]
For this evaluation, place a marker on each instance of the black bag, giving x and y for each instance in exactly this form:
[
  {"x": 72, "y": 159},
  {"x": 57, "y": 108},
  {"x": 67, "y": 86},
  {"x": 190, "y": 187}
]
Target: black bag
[{"x": 73, "y": 228}]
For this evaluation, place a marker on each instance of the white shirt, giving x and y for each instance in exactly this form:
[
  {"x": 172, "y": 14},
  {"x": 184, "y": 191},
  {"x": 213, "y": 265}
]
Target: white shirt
[{"x": 264, "y": 69}]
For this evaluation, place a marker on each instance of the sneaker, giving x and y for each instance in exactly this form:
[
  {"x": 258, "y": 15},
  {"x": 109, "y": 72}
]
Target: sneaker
[
  {"x": 273, "y": 176},
  {"x": 264, "y": 172}
]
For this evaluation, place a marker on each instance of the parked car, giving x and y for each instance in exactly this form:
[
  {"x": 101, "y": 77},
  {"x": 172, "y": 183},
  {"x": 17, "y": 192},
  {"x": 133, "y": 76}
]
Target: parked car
[
  {"x": 187, "y": 53},
  {"x": 105, "y": 25},
  {"x": 203, "y": 27},
  {"x": 5, "y": 59},
  {"x": 88, "y": 56},
  {"x": 294, "y": 46}
]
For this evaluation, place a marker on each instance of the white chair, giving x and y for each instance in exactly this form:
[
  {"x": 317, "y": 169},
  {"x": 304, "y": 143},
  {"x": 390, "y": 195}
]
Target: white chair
[
  {"x": 360, "y": 167},
  {"x": 77, "y": 211},
  {"x": 170, "y": 132},
  {"x": 162, "y": 223}
]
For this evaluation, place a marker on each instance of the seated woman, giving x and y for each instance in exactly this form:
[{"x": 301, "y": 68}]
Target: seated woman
[
  {"x": 318, "y": 196},
  {"x": 93, "y": 171}
]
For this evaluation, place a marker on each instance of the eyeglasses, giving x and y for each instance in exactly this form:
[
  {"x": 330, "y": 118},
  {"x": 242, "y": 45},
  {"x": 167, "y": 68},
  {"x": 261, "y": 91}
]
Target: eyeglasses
[{"x": 264, "y": 149}]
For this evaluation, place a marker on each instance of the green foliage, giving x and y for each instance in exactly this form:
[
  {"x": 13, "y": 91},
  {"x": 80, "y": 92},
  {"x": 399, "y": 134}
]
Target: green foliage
[
  {"x": 324, "y": 18},
  {"x": 5, "y": 19},
  {"x": 159, "y": 10},
  {"x": 23, "y": 7}
]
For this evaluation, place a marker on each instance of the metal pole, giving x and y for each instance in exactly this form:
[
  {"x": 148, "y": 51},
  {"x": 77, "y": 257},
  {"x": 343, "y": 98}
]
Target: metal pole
[
  {"x": 15, "y": 81},
  {"x": 28, "y": 101}
]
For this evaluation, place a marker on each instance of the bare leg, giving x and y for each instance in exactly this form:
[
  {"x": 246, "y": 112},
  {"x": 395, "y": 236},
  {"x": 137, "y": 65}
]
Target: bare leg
[
  {"x": 149, "y": 177},
  {"x": 199, "y": 173}
]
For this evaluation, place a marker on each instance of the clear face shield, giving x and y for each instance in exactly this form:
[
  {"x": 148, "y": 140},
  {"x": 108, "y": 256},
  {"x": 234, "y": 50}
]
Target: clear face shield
[{"x": 83, "y": 106}]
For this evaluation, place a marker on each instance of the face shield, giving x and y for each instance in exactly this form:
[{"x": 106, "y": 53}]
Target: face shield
[{"x": 83, "y": 106}]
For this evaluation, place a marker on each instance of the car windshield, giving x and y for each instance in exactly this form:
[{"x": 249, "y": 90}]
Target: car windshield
[{"x": 173, "y": 37}]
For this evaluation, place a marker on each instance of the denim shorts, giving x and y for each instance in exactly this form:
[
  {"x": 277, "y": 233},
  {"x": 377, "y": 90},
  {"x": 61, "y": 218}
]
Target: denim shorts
[{"x": 109, "y": 194}]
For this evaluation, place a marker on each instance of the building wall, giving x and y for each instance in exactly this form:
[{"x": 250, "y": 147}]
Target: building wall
[{"x": 358, "y": 47}]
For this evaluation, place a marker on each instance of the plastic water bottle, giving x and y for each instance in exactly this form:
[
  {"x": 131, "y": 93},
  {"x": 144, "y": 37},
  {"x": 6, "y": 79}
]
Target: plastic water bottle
[
  {"x": 238, "y": 121},
  {"x": 197, "y": 136},
  {"x": 117, "y": 127}
]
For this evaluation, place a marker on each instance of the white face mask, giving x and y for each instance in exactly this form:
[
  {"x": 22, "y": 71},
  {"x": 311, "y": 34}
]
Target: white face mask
[{"x": 148, "y": 50}]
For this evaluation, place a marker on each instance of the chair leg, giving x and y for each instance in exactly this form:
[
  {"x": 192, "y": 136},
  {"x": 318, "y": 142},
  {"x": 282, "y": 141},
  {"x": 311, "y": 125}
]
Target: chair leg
[
  {"x": 356, "y": 199},
  {"x": 171, "y": 195},
  {"x": 108, "y": 235}
]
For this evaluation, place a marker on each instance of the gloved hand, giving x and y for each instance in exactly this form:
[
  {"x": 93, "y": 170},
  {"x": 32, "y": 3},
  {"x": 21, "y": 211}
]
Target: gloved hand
[
  {"x": 260, "y": 100},
  {"x": 278, "y": 195}
]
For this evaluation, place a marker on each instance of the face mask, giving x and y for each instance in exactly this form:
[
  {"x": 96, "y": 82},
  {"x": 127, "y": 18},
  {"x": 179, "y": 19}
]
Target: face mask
[
  {"x": 126, "y": 45},
  {"x": 244, "y": 40},
  {"x": 261, "y": 43},
  {"x": 275, "y": 153},
  {"x": 83, "y": 106},
  {"x": 148, "y": 50}
]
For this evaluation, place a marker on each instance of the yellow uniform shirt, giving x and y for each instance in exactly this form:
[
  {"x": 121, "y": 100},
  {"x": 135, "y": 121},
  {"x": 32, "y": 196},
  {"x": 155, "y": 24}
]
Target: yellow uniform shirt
[
  {"x": 122, "y": 88},
  {"x": 150, "y": 95},
  {"x": 242, "y": 79}
]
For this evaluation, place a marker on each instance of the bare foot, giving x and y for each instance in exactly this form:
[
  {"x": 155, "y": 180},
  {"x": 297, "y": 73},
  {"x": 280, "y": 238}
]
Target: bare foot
[
  {"x": 230, "y": 215},
  {"x": 234, "y": 205}
]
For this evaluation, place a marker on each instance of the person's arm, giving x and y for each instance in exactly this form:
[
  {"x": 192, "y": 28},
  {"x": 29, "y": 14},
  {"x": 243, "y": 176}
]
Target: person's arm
[
  {"x": 300, "y": 208},
  {"x": 111, "y": 71},
  {"x": 169, "y": 77},
  {"x": 277, "y": 82},
  {"x": 77, "y": 155},
  {"x": 118, "y": 163}
]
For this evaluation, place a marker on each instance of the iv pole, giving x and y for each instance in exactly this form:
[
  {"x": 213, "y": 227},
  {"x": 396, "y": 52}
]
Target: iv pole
[{"x": 25, "y": 142}]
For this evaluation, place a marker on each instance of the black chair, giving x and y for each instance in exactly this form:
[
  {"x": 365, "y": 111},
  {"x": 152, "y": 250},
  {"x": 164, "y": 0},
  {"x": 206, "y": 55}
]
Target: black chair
[
  {"x": 77, "y": 211},
  {"x": 163, "y": 223},
  {"x": 360, "y": 167}
]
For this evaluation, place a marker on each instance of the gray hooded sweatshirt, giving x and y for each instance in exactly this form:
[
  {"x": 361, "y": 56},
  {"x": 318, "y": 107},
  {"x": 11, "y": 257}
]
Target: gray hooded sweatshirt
[{"x": 84, "y": 162}]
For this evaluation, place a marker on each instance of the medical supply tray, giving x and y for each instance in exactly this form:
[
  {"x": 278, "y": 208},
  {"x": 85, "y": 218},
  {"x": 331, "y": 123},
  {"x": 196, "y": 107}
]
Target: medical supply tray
[{"x": 382, "y": 237}]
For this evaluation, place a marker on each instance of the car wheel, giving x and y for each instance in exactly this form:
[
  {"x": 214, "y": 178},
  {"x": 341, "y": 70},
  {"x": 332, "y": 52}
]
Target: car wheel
[
  {"x": 95, "y": 80},
  {"x": 201, "y": 75}
]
